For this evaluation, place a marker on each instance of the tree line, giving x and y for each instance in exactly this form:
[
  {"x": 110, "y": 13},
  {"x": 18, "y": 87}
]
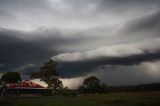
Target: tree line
[{"x": 48, "y": 74}]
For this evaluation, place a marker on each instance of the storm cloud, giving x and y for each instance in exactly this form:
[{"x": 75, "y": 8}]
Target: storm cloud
[{"x": 86, "y": 37}]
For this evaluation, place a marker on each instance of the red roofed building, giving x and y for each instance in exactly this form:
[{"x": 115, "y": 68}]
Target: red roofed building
[
  {"x": 26, "y": 88},
  {"x": 23, "y": 84}
]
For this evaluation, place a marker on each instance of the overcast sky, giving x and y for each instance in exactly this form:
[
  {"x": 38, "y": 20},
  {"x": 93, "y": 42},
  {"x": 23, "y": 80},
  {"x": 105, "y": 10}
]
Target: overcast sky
[{"x": 116, "y": 40}]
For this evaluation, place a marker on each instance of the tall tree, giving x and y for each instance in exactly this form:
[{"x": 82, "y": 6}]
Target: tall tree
[
  {"x": 47, "y": 71},
  {"x": 49, "y": 75},
  {"x": 11, "y": 77}
]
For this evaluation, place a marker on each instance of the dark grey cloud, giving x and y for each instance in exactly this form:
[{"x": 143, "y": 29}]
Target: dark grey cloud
[
  {"x": 21, "y": 48},
  {"x": 16, "y": 51}
]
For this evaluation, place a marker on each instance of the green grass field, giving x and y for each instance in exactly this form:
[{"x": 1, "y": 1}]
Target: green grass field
[{"x": 109, "y": 99}]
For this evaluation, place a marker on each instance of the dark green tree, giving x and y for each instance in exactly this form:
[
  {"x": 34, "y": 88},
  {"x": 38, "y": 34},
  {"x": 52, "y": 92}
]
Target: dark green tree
[
  {"x": 47, "y": 71},
  {"x": 11, "y": 77},
  {"x": 55, "y": 84},
  {"x": 49, "y": 75},
  {"x": 91, "y": 85}
]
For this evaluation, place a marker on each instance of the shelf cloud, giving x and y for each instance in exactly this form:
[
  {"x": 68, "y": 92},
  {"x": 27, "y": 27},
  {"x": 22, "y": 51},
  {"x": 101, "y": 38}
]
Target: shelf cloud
[{"x": 85, "y": 37}]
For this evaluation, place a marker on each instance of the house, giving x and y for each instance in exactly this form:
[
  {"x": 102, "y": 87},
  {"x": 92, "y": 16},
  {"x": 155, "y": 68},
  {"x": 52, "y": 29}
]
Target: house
[{"x": 26, "y": 88}]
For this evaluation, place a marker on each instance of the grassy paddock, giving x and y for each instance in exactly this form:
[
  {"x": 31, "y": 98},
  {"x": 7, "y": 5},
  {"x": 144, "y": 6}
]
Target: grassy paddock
[{"x": 109, "y": 99}]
